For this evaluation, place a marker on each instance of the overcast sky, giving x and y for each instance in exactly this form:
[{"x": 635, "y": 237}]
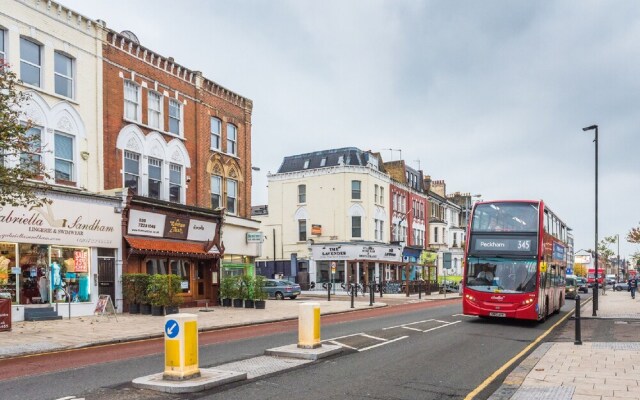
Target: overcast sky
[{"x": 490, "y": 96}]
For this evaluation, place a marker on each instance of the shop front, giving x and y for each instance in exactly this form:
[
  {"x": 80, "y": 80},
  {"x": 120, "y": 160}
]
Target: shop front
[
  {"x": 168, "y": 238},
  {"x": 242, "y": 243},
  {"x": 343, "y": 263},
  {"x": 50, "y": 254}
]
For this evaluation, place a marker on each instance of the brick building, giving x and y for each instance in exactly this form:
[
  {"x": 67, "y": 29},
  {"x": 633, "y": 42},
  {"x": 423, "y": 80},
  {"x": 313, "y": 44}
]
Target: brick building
[{"x": 181, "y": 145}]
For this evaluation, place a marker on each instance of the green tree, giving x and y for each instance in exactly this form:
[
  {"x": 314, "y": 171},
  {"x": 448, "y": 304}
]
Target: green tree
[
  {"x": 603, "y": 248},
  {"x": 17, "y": 181},
  {"x": 634, "y": 235}
]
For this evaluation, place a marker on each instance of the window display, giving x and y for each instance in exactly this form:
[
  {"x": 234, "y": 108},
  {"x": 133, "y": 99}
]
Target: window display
[
  {"x": 70, "y": 274},
  {"x": 33, "y": 266},
  {"x": 7, "y": 278}
]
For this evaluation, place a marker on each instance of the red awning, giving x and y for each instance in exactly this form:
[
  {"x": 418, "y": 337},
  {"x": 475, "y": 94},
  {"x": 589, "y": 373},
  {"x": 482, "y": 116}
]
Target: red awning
[{"x": 168, "y": 247}]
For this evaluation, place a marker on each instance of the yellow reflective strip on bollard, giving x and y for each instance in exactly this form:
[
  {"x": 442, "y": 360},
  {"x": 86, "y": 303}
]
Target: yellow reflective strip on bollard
[
  {"x": 190, "y": 343},
  {"x": 171, "y": 353},
  {"x": 316, "y": 325}
]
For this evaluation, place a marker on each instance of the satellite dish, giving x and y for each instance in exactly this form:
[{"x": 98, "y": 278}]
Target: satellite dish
[{"x": 131, "y": 36}]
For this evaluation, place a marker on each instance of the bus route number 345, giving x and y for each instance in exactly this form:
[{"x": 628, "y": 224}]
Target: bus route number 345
[{"x": 524, "y": 244}]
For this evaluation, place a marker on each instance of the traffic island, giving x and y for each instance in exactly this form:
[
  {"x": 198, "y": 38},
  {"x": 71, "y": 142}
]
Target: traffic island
[
  {"x": 293, "y": 351},
  {"x": 309, "y": 345},
  {"x": 209, "y": 378}
]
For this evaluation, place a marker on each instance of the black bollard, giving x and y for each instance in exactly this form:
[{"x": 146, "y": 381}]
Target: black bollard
[
  {"x": 578, "y": 340},
  {"x": 420, "y": 289},
  {"x": 328, "y": 291},
  {"x": 371, "y": 293},
  {"x": 381, "y": 285},
  {"x": 353, "y": 289}
]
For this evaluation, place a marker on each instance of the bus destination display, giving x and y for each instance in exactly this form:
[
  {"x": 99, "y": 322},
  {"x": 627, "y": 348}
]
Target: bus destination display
[{"x": 523, "y": 245}]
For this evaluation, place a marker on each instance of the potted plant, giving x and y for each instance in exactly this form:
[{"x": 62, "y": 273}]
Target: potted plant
[
  {"x": 156, "y": 292},
  {"x": 237, "y": 292},
  {"x": 226, "y": 290},
  {"x": 173, "y": 290},
  {"x": 247, "y": 293},
  {"x": 129, "y": 292},
  {"x": 142, "y": 284},
  {"x": 259, "y": 292}
]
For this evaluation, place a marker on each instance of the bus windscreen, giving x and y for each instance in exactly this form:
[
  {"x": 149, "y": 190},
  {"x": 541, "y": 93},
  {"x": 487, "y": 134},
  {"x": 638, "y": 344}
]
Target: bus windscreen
[
  {"x": 505, "y": 217},
  {"x": 504, "y": 275}
]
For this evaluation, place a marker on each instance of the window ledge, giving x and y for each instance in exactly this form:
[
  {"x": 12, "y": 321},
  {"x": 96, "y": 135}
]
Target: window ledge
[
  {"x": 154, "y": 129},
  {"x": 49, "y": 93}
]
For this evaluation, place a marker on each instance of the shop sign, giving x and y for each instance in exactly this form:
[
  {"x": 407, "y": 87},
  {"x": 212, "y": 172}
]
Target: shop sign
[
  {"x": 146, "y": 223},
  {"x": 316, "y": 229},
  {"x": 351, "y": 252},
  {"x": 582, "y": 259},
  {"x": 5, "y": 315},
  {"x": 176, "y": 227},
  {"x": 80, "y": 260},
  {"x": 63, "y": 222},
  {"x": 255, "y": 237},
  {"x": 201, "y": 231}
]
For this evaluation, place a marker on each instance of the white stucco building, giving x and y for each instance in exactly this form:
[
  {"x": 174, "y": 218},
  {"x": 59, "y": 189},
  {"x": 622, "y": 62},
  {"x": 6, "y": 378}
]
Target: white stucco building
[{"x": 68, "y": 250}]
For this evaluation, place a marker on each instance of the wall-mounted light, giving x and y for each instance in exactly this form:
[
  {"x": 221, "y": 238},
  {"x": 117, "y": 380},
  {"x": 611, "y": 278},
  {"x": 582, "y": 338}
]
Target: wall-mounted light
[{"x": 117, "y": 210}]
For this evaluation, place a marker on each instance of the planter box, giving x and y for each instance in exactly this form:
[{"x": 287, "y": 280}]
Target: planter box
[
  {"x": 145, "y": 309},
  {"x": 260, "y": 304},
  {"x": 171, "y": 310},
  {"x": 134, "y": 308},
  {"x": 157, "y": 311},
  {"x": 237, "y": 303},
  {"x": 226, "y": 302},
  {"x": 248, "y": 304}
]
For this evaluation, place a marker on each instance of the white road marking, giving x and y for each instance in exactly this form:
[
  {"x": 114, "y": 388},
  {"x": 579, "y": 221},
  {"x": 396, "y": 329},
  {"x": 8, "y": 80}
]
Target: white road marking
[
  {"x": 411, "y": 329},
  {"x": 374, "y": 337},
  {"x": 441, "y": 326},
  {"x": 383, "y": 343},
  {"x": 410, "y": 323},
  {"x": 341, "y": 344}
]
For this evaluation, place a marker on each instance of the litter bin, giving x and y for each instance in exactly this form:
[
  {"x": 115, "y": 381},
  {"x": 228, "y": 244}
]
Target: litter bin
[{"x": 5, "y": 314}]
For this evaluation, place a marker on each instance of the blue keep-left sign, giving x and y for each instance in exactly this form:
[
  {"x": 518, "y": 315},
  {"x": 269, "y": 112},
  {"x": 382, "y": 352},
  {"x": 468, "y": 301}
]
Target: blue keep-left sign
[{"x": 171, "y": 328}]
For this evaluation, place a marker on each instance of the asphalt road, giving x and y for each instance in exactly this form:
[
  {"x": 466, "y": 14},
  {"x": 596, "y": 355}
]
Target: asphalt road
[{"x": 430, "y": 352}]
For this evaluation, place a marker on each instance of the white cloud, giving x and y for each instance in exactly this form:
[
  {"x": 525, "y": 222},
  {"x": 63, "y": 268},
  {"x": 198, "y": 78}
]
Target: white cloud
[{"x": 490, "y": 96}]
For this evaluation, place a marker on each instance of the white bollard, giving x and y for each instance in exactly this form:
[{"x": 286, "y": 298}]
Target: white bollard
[{"x": 309, "y": 326}]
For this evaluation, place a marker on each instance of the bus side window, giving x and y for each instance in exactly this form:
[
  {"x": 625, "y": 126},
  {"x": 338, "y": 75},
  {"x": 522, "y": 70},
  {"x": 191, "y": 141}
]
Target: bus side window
[{"x": 546, "y": 221}]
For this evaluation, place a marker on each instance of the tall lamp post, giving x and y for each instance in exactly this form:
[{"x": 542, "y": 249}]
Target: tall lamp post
[
  {"x": 595, "y": 292},
  {"x": 618, "y": 240}
]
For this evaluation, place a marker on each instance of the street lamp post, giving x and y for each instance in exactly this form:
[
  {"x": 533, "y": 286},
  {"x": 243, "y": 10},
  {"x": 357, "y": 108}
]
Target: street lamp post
[
  {"x": 595, "y": 292},
  {"x": 618, "y": 240}
]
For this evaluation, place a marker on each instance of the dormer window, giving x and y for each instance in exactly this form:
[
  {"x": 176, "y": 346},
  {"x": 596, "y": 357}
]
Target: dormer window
[
  {"x": 323, "y": 162},
  {"x": 306, "y": 164}
]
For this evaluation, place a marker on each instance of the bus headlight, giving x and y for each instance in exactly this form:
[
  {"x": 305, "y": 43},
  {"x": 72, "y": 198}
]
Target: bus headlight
[
  {"x": 469, "y": 297},
  {"x": 526, "y": 302}
]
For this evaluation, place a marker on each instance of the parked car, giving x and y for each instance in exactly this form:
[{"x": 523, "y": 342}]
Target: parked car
[
  {"x": 621, "y": 286},
  {"x": 279, "y": 289},
  {"x": 581, "y": 283},
  {"x": 571, "y": 288}
]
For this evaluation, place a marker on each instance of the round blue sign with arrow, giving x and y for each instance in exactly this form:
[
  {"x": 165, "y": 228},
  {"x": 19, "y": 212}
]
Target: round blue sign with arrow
[{"x": 171, "y": 328}]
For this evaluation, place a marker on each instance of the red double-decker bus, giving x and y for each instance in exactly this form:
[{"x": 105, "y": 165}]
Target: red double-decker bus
[{"x": 515, "y": 260}]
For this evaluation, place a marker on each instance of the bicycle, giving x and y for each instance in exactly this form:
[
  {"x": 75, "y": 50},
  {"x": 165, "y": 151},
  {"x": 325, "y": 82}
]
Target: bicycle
[{"x": 358, "y": 287}]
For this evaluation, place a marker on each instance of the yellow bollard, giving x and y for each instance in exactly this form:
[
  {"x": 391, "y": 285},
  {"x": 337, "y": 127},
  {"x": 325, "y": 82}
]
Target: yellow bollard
[
  {"x": 309, "y": 326},
  {"x": 180, "y": 347}
]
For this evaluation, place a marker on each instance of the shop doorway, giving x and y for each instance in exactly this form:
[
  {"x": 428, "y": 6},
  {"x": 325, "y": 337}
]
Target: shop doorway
[
  {"x": 107, "y": 273},
  {"x": 202, "y": 288}
]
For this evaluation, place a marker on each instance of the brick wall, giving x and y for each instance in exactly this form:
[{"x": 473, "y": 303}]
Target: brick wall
[{"x": 201, "y": 99}]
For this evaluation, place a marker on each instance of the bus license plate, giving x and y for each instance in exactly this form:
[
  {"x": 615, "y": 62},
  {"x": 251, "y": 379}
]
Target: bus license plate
[{"x": 497, "y": 314}]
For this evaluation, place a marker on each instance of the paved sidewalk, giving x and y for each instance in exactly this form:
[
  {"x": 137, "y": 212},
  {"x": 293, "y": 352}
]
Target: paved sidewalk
[
  {"x": 591, "y": 371},
  {"x": 43, "y": 336}
]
